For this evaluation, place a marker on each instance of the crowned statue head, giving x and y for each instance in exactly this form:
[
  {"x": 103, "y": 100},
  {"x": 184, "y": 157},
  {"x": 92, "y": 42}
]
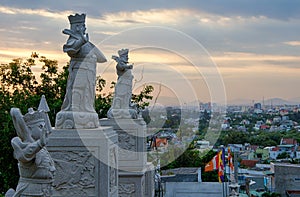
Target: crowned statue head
[
  {"x": 35, "y": 122},
  {"x": 77, "y": 22},
  {"x": 123, "y": 54}
]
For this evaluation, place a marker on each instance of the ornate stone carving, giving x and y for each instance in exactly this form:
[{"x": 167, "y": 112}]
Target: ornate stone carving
[
  {"x": 122, "y": 106},
  {"x": 75, "y": 173},
  {"x": 36, "y": 167},
  {"x": 126, "y": 189},
  {"x": 113, "y": 169},
  {"x": 78, "y": 107},
  {"x": 126, "y": 143}
]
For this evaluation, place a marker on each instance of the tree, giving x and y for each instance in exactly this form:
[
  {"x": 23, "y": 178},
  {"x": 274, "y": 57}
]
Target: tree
[
  {"x": 139, "y": 99},
  {"x": 192, "y": 158},
  {"x": 233, "y": 137},
  {"x": 203, "y": 123},
  {"x": 20, "y": 88},
  {"x": 268, "y": 194},
  {"x": 283, "y": 155}
]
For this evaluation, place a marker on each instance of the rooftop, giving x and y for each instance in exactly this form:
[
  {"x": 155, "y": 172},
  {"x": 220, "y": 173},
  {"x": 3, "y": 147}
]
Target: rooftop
[{"x": 180, "y": 171}]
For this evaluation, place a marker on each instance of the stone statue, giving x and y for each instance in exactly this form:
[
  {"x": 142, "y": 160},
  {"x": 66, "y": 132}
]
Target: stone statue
[
  {"x": 77, "y": 110},
  {"x": 36, "y": 167},
  {"x": 122, "y": 106}
]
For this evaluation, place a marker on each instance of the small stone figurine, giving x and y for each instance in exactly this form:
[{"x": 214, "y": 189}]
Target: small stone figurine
[
  {"x": 36, "y": 168},
  {"x": 122, "y": 106}
]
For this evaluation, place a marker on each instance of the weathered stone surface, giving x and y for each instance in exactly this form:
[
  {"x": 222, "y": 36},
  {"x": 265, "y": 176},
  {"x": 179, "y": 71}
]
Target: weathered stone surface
[
  {"x": 137, "y": 184},
  {"x": 76, "y": 120},
  {"x": 149, "y": 180},
  {"x": 122, "y": 107},
  {"x": 132, "y": 184},
  {"x": 86, "y": 162},
  {"x": 10, "y": 193},
  {"x": 136, "y": 176},
  {"x": 131, "y": 142},
  {"x": 36, "y": 167},
  {"x": 77, "y": 110}
]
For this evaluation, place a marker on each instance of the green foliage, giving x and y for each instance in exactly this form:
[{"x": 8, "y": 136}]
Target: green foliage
[
  {"x": 283, "y": 155},
  {"x": 260, "y": 138},
  {"x": 268, "y": 194},
  {"x": 17, "y": 83},
  {"x": 203, "y": 124},
  {"x": 20, "y": 88},
  {"x": 103, "y": 100},
  {"x": 140, "y": 98},
  {"x": 193, "y": 158},
  {"x": 173, "y": 118}
]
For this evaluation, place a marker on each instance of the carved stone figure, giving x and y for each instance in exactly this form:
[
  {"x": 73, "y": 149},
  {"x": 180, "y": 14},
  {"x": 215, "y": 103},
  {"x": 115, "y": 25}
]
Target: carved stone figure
[
  {"x": 36, "y": 167},
  {"x": 122, "y": 106},
  {"x": 75, "y": 173},
  {"x": 78, "y": 107}
]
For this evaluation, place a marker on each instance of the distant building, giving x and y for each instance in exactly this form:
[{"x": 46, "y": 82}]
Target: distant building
[
  {"x": 274, "y": 152},
  {"x": 257, "y": 106},
  {"x": 236, "y": 147},
  {"x": 277, "y": 119},
  {"x": 203, "y": 144},
  {"x": 258, "y": 111},
  {"x": 288, "y": 141},
  {"x": 288, "y": 145},
  {"x": 249, "y": 163},
  {"x": 298, "y": 153},
  {"x": 206, "y": 106},
  {"x": 283, "y": 112},
  {"x": 286, "y": 178},
  {"x": 262, "y": 153},
  {"x": 185, "y": 182}
]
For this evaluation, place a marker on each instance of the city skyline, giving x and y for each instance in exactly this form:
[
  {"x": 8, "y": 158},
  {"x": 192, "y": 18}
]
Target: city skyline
[{"x": 212, "y": 51}]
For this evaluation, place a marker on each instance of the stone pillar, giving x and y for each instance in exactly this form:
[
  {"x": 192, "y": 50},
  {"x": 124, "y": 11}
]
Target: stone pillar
[
  {"x": 86, "y": 162},
  {"x": 136, "y": 177},
  {"x": 149, "y": 180}
]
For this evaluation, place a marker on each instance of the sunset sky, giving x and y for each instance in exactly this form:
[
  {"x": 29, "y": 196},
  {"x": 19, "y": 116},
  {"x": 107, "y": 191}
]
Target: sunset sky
[{"x": 192, "y": 50}]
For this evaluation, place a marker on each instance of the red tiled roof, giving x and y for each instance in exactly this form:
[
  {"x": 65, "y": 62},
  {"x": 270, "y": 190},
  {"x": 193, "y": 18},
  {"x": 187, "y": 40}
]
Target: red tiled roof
[
  {"x": 249, "y": 163},
  {"x": 289, "y": 192},
  {"x": 288, "y": 141},
  {"x": 264, "y": 126},
  {"x": 275, "y": 149}
]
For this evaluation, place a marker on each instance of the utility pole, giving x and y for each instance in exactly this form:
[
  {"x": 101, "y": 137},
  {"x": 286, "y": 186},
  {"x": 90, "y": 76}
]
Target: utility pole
[
  {"x": 236, "y": 168},
  {"x": 234, "y": 186}
]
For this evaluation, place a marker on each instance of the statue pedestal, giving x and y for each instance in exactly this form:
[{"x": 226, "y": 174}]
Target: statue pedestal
[
  {"x": 135, "y": 175},
  {"x": 76, "y": 120},
  {"x": 86, "y": 162}
]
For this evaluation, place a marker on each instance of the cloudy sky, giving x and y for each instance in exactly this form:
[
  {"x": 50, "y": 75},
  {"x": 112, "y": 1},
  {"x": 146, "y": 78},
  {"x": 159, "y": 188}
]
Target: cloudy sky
[{"x": 189, "y": 50}]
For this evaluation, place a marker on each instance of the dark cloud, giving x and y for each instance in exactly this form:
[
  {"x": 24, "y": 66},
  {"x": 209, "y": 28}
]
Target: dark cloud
[{"x": 279, "y": 9}]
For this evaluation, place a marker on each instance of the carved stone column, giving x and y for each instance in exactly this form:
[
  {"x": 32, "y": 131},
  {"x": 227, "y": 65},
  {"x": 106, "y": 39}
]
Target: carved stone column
[
  {"x": 86, "y": 162},
  {"x": 135, "y": 174}
]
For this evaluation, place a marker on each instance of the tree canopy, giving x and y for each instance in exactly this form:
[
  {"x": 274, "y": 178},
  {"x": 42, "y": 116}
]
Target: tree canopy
[{"x": 20, "y": 87}]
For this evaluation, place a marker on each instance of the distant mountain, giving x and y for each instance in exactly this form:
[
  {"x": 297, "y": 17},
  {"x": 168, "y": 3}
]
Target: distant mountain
[
  {"x": 295, "y": 100},
  {"x": 171, "y": 101},
  {"x": 279, "y": 101},
  {"x": 271, "y": 101}
]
